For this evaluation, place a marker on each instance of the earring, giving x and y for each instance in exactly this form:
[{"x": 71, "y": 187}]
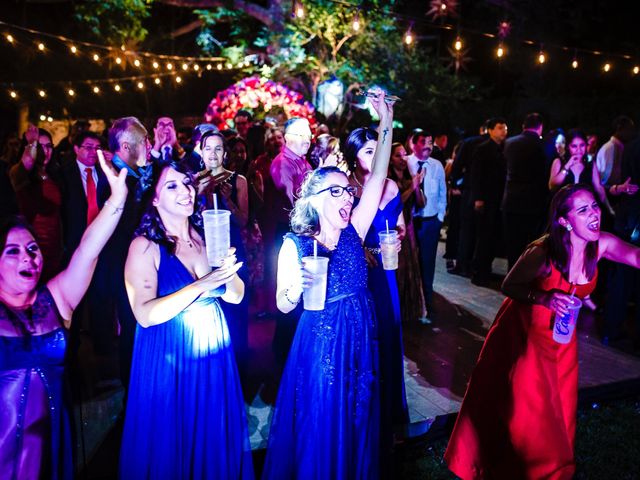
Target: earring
[{"x": 568, "y": 227}]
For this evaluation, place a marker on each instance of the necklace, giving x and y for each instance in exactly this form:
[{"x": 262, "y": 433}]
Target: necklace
[
  {"x": 187, "y": 241},
  {"x": 355, "y": 179}
]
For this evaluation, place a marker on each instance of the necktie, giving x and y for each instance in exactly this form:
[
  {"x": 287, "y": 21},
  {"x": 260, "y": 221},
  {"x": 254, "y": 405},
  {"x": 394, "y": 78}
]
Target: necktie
[
  {"x": 167, "y": 153},
  {"x": 92, "y": 201}
]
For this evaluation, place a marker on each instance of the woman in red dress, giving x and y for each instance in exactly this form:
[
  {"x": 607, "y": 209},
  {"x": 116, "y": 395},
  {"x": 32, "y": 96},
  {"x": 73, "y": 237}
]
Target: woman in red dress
[{"x": 518, "y": 416}]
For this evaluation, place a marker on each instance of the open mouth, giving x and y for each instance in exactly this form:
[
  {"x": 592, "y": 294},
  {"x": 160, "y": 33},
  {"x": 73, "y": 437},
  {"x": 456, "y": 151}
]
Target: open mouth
[
  {"x": 594, "y": 226},
  {"x": 27, "y": 274},
  {"x": 345, "y": 214}
]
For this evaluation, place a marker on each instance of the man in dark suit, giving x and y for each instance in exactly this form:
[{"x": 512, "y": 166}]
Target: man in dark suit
[
  {"x": 165, "y": 141},
  {"x": 487, "y": 184},
  {"x": 524, "y": 204},
  {"x": 129, "y": 143}
]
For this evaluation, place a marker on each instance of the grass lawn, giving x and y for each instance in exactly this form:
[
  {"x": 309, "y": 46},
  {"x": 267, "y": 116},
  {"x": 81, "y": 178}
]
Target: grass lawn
[{"x": 607, "y": 447}]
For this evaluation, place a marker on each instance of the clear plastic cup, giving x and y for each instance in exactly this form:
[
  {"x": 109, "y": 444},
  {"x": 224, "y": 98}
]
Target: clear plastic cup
[
  {"x": 314, "y": 296},
  {"x": 564, "y": 325},
  {"x": 216, "y": 235},
  {"x": 388, "y": 249}
]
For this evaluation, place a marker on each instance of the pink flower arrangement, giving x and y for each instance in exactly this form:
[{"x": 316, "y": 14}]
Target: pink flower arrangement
[{"x": 253, "y": 93}]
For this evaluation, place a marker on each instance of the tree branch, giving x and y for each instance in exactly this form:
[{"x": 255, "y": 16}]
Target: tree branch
[
  {"x": 186, "y": 29},
  {"x": 264, "y": 15}
]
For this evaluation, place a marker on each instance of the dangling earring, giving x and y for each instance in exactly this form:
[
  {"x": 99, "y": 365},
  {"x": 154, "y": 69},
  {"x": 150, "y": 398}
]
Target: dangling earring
[{"x": 568, "y": 227}]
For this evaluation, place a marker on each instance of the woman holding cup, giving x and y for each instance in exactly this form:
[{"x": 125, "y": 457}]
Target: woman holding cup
[
  {"x": 518, "y": 416},
  {"x": 185, "y": 411},
  {"x": 326, "y": 422}
]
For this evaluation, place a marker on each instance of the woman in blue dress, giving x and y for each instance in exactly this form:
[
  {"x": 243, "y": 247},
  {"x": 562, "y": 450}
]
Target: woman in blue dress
[
  {"x": 35, "y": 430},
  {"x": 185, "y": 412},
  {"x": 327, "y": 419},
  {"x": 358, "y": 152}
]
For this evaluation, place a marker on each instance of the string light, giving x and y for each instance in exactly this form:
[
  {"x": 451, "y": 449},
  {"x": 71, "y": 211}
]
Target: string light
[
  {"x": 14, "y": 94},
  {"x": 299, "y": 10},
  {"x": 155, "y": 65},
  {"x": 196, "y": 67},
  {"x": 136, "y": 62},
  {"x": 73, "y": 49},
  {"x": 43, "y": 118},
  {"x": 42, "y": 93},
  {"x": 229, "y": 66},
  {"x": 9, "y": 38},
  {"x": 71, "y": 92},
  {"x": 606, "y": 67},
  {"x": 219, "y": 66},
  {"x": 636, "y": 70},
  {"x": 117, "y": 87},
  {"x": 157, "y": 81},
  {"x": 118, "y": 60},
  {"x": 500, "y": 51},
  {"x": 356, "y": 21},
  {"x": 96, "y": 57},
  {"x": 542, "y": 57},
  {"x": 178, "y": 79},
  {"x": 574, "y": 64},
  {"x": 209, "y": 67},
  {"x": 458, "y": 43},
  {"x": 140, "y": 85},
  {"x": 169, "y": 66},
  {"x": 185, "y": 67},
  {"x": 96, "y": 89},
  {"x": 41, "y": 47},
  {"x": 408, "y": 36}
]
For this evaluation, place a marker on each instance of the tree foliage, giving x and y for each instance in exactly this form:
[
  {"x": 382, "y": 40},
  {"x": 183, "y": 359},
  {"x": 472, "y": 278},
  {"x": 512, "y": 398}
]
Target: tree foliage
[{"x": 116, "y": 21}]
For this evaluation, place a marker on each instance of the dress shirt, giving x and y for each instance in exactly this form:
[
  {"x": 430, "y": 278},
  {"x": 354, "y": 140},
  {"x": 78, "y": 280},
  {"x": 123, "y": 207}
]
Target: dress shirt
[
  {"x": 83, "y": 175},
  {"x": 609, "y": 162},
  {"x": 433, "y": 186},
  {"x": 288, "y": 171}
]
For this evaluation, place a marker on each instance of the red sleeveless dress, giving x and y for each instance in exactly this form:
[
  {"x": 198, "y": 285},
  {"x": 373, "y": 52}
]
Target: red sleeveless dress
[{"x": 518, "y": 417}]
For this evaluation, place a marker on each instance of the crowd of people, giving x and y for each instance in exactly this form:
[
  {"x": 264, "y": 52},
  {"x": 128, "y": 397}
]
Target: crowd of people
[{"x": 109, "y": 239}]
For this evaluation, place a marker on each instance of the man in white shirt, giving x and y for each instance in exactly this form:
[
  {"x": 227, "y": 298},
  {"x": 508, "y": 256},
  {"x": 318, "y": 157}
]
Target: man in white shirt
[
  {"x": 609, "y": 158},
  {"x": 428, "y": 219}
]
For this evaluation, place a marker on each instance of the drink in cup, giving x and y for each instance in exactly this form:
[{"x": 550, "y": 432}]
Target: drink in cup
[
  {"x": 564, "y": 325},
  {"x": 216, "y": 235},
  {"x": 315, "y": 295},
  {"x": 388, "y": 249}
]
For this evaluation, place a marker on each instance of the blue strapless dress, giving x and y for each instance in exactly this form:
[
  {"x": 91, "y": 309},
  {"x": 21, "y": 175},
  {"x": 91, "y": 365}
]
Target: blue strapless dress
[
  {"x": 185, "y": 411},
  {"x": 326, "y": 421},
  {"x": 35, "y": 432},
  {"x": 384, "y": 289}
]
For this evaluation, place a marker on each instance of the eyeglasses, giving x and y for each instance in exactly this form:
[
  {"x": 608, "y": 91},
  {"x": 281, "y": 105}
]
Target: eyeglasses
[
  {"x": 90, "y": 148},
  {"x": 337, "y": 190}
]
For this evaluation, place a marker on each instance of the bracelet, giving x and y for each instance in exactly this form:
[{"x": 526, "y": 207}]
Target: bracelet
[
  {"x": 286, "y": 296},
  {"x": 374, "y": 250},
  {"x": 116, "y": 209}
]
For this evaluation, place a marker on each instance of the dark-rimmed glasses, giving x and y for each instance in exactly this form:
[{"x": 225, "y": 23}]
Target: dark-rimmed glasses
[{"x": 338, "y": 190}]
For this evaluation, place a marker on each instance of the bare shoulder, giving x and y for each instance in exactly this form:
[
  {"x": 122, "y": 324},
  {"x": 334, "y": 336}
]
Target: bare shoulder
[
  {"x": 143, "y": 250},
  {"x": 391, "y": 187}
]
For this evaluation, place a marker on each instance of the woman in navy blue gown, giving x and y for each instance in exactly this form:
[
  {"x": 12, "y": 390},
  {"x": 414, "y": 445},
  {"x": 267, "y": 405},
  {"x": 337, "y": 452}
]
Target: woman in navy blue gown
[
  {"x": 35, "y": 428},
  {"x": 185, "y": 412},
  {"x": 358, "y": 152},
  {"x": 327, "y": 419}
]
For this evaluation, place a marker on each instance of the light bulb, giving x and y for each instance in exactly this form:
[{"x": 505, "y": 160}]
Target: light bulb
[
  {"x": 542, "y": 58},
  {"x": 574, "y": 64}
]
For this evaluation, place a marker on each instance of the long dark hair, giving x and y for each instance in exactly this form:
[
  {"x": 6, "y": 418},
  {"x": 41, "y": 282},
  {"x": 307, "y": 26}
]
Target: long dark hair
[
  {"x": 304, "y": 217},
  {"x": 571, "y": 134},
  {"x": 392, "y": 171},
  {"x": 151, "y": 226},
  {"x": 557, "y": 239},
  {"x": 51, "y": 168},
  {"x": 355, "y": 141}
]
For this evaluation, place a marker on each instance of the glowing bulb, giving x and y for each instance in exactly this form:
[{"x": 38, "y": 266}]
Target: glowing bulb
[
  {"x": 96, "y": 89},
  {"x": 10, "y": 38},
  {"x": 118, "y": 60},
  {"x": 43, "y": 118},
  {"x": 443, "y": 6},
  {"x": 196, "y": 67},
  {"x": 408, "y": 38},
  {"x": 178, "y": 79},
  {"x": 635, "y": 70},
  {"x": 169, "y": 66},
  {"x": 356, "y": 25},
  {"x": 96, "y": 57},
  {"x": 185, "y": 66},
  {"x": 458, "y": 44},
  {"x": 219, "y": 66},
  {"x": 157, "y": 81},
  {"x": 229, "y": 66},
  {"x": 122, "y": 47},
  {"x": 136, "y": 62},
  {"x": 209, "y": 67},
  {"x": 41, "y": 47},
  {"x": 117, "y": 87},
  {"x": 42, "y": 93},
  {"x": 606, "y": 67},
  {"x": 140, "y": 85},
  {"x": 71, "y": 92},
  {"x": 49, "y": 119},
  {"x": 574, "y": 64},
  {"x": 73, "y": 49},
  {"x": 156, "y": 65},
  {"x": 542, "y": 58},
  {"x": 500, "y": 52},
  {"x": 14, "y": 94},
  {"x": 299, "y": 10}
]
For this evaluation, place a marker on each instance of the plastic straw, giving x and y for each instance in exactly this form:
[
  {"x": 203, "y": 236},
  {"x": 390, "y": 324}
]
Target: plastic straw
[
  {"x": 387, "y": 222},
  {"x": 573, "y": 290},
  {"x": 215, "y": 201},
  {"x": 315, "y": 249}
]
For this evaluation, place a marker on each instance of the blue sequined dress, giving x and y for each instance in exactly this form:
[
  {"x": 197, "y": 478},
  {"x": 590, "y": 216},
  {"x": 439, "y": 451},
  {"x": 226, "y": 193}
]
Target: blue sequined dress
[
  {"x": 35, "y": 432},
  {"x": 384, "y": 290},
  {"x": 185, "y": 411},
  {"x": 326, "y": 422}
]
